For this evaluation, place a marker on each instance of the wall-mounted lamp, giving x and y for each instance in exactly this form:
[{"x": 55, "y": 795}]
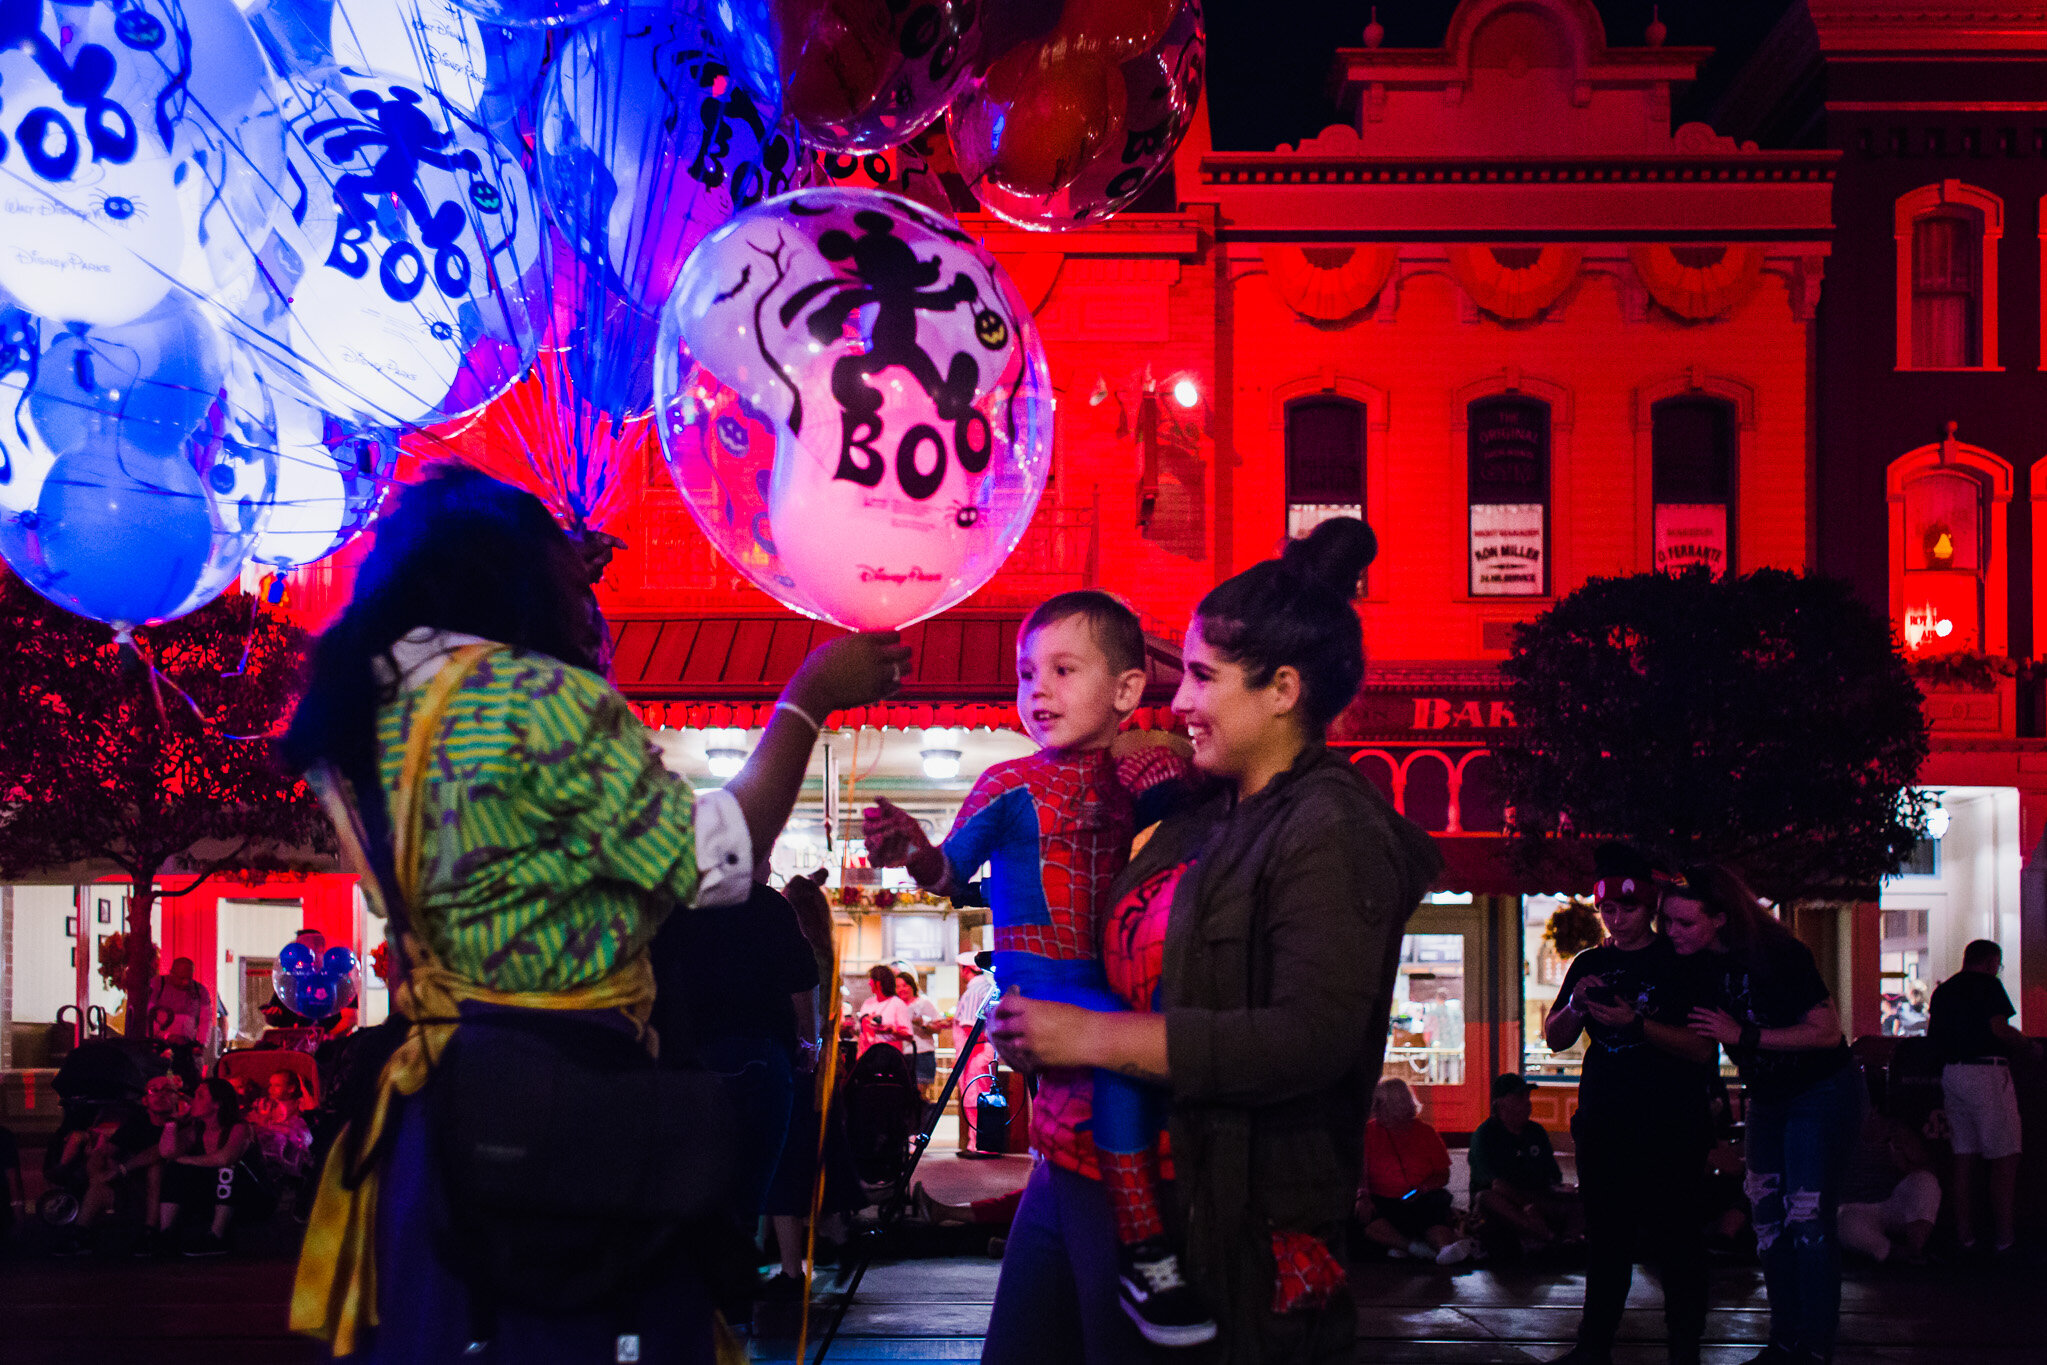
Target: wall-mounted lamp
[
  {"x": 726, "y": 751},
  {"x": 941, "y": 755}
]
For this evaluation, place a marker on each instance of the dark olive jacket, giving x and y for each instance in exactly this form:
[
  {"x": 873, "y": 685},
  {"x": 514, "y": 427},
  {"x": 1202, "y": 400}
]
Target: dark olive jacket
[{"x": 1281, "y": 950}]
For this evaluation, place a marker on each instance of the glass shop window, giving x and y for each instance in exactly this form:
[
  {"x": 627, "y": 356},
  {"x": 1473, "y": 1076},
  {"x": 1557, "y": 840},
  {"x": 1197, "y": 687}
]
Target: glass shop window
[
  {"x": 1554, "y": 929},
  {"x": 1425, "y": 1033}
]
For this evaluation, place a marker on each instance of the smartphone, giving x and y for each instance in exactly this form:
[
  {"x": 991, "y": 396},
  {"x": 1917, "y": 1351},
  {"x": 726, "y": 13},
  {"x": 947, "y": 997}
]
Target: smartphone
[{"x": 1603, "y": 995}]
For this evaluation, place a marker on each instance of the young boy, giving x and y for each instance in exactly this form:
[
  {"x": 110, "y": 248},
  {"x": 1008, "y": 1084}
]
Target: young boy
[{"x": 1055, "y": 829}]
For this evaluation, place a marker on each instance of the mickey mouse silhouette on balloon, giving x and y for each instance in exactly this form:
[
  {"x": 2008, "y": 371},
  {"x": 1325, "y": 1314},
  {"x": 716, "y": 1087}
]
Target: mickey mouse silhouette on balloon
[
  {"x": 893, "y": 278},
  {"x": 407, "y": 139}
]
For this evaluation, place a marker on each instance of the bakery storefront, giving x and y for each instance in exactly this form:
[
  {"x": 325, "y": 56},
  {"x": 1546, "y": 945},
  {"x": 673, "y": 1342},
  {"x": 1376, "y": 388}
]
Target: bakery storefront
[{"x": 1485, "y": 953}]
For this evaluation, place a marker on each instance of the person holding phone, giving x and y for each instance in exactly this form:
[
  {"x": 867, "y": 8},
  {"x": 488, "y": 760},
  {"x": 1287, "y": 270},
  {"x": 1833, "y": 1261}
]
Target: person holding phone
[{"x": 1643, "y": 1125}]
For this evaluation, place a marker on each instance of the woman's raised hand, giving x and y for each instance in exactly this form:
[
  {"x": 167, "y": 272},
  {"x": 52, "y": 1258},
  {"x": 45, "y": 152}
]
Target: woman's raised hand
[{"x": 853, "y": 670}]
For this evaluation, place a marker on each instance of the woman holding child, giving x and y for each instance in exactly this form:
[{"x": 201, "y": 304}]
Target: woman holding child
[{"x": 1268, "y": 907}]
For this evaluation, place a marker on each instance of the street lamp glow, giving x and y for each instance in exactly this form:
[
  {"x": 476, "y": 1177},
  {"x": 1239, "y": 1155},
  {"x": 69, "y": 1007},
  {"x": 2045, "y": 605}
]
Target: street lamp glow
[{"x": 1186, "y": 392}]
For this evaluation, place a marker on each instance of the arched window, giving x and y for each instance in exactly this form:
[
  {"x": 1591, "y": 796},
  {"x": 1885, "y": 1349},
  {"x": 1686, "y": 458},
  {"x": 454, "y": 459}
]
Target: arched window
[
  {"x": 1325, "y": 461},
  {"x": 1507, "y": 449},
  {"x": 1692, "y": 464},
  {"x": 1948, "y": 560},
  {"x": 1947, "y": 236}
]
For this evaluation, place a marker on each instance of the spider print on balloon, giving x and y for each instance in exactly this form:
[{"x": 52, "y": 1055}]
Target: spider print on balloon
[{"x": 119, "y": 208}]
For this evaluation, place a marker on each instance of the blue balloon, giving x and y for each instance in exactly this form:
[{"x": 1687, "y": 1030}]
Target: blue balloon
[
  {"x": 656, "y": 125},
  {"x": 315, "y": 989},
  {"x": 138, "y": 465}
]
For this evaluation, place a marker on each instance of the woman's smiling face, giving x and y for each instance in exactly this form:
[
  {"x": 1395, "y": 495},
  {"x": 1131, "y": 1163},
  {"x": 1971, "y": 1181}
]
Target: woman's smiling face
[{"x": 1228, "y": 720}]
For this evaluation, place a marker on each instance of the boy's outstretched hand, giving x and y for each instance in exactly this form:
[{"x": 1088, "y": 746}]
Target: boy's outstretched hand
[
  {"x": 895, "y": 838},
  {"x": 892, "y": 834}
]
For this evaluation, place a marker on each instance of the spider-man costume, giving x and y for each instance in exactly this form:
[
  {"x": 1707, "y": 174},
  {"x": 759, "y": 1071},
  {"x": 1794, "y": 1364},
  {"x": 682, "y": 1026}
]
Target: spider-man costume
[{"x": 1055, "y": 829}]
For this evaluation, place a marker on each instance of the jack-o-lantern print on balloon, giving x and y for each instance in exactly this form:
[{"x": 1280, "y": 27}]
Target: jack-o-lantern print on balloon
[
  {"x": 905, "y": 388},
  {"x": 1070, "y": 128}
]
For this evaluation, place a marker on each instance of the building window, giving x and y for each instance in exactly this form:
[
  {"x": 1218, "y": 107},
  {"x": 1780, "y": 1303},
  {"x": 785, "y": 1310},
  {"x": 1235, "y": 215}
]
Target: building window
[
  {"x": 1508, "y": 462},
  {"x": 1947, "y": 547},
  {"x": 1692, "y": 461},
  {"x": 1947, "y": 310},
  {"x": 1947, "y": 236},
  {"x": 1944, "y": 563},
  {"x": 1325, "y": 462}
]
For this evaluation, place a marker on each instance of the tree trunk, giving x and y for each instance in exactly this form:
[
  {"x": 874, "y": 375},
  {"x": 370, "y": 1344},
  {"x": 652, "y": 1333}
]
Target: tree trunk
[{"x": 142, "y": 964}]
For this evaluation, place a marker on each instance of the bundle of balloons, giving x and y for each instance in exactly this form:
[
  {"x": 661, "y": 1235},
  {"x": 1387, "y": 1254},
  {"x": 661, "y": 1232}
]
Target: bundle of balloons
[{"x": 251, "y": 246}]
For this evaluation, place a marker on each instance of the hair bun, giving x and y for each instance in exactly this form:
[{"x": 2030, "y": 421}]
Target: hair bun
[{"x": 1333, "y": 555}]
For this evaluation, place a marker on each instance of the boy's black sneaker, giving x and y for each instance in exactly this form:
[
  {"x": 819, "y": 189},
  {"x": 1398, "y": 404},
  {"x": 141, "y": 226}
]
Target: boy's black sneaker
[
  {"x": 206, "y": 1245},
  {"x": 1158, "y": 1298}
]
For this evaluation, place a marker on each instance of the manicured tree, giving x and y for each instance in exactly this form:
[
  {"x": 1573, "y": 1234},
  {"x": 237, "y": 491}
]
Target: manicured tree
[
  {"x": 156, "y": 760},
  {"x": 1766, "y": 720}
]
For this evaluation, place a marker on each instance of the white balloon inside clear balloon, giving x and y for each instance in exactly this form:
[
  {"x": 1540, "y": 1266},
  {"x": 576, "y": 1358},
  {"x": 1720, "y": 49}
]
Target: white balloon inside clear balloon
[
  {"x": 906, "y": 387},
  {"x": 329, "y": 485},
  {"x": 139, "y": 137},
  {"x": 428, "y": 41},
  {"x": 406, "y": 256}
]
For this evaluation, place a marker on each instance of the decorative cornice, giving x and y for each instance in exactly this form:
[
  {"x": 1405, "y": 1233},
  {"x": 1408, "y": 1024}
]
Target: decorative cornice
[
  {"x": 1127, "y": 234},
  {"x": 1405, "y": 675},
  {"x": 1912, "y": 27},
  {"x": 1289, "y": 168}
]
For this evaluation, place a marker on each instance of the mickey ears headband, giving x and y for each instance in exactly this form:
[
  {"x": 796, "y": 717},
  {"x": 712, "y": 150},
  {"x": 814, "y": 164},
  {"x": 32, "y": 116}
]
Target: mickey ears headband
[{"x": 1650, "y": 889}]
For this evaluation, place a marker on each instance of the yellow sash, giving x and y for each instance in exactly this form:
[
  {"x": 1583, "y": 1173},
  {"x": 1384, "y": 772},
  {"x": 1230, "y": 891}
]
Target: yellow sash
[{"x": 335, "y": 1295}]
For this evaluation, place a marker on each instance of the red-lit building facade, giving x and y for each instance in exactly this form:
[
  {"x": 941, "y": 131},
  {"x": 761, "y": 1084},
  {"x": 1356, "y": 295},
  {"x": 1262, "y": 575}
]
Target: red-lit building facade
[
  {"x": 1930, "y": 491},
  {"x": 1506, "y": 311}
]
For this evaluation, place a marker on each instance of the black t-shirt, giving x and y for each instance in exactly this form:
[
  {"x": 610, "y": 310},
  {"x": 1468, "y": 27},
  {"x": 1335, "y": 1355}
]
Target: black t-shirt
[
  {"x": 1627, "y": 1078},
  {"x": 1963, "y": 1008},
  {"x": 1775, "y": 987},
  {"x": 728, "y": 972},
  {"x": 1524, "y": 1160},
  {"x": 10, "y": 1155}
]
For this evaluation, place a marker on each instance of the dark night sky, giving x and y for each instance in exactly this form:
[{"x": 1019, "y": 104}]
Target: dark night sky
[{"x": 1269, "y": 60}]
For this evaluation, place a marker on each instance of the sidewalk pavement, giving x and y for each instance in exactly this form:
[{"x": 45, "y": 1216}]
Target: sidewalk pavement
[{"x": 936, "y": 1311}]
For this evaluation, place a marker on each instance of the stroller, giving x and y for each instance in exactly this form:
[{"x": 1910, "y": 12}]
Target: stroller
[
  {"x": 882, "y": 1107},
  {"x": 286, "y": 1156}
]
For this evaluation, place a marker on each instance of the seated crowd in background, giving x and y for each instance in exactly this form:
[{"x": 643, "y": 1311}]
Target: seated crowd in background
[{"x": 1405, "y": 1205}]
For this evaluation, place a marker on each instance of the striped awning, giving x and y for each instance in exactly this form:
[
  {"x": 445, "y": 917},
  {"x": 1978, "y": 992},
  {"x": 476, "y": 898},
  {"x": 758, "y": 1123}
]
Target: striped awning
[{"x": 726, "y": 670}]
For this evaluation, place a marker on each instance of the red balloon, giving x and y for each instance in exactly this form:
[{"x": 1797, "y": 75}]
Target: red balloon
[
  {"x": 1118, "y": 29},
  {"x": 1046, "y": 110},
  {"x": 865, "y": 75},
  {"x": 836, "y": 55}
]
